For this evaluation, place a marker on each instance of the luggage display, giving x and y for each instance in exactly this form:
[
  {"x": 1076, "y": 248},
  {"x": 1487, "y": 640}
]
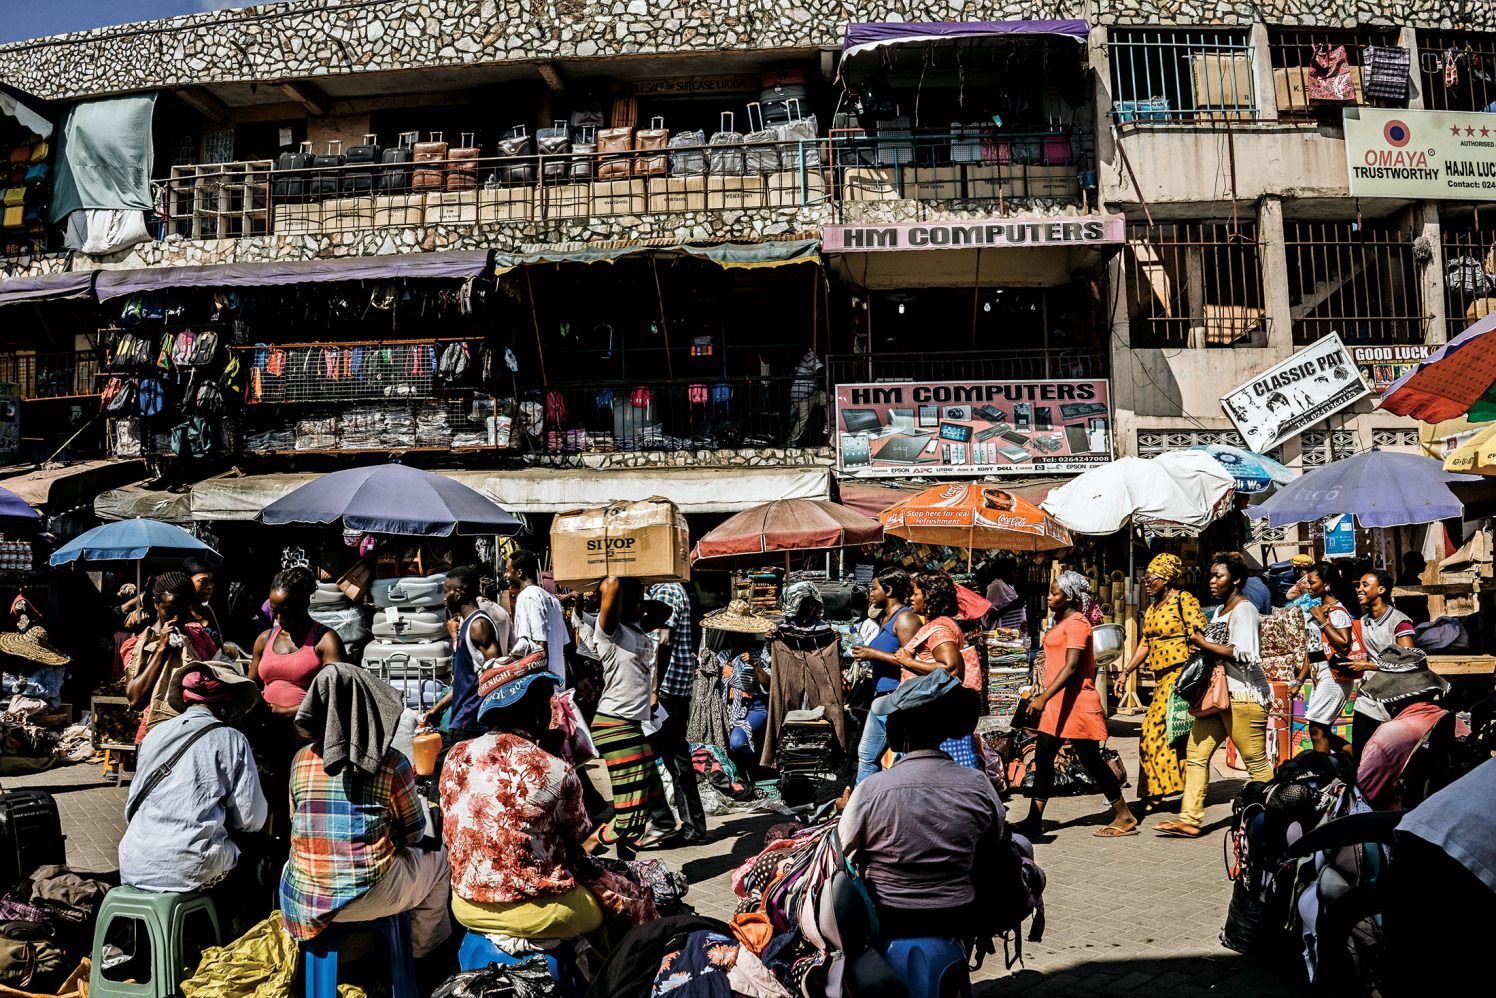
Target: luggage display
[
  {"x": 808, "y": 747},
  {"x": 799, "y": 135},
  {"x": 583, "y": 164},
  {"x": 761, "y": 152},
  {"x": 325, "y": 184},
  {"x": 610, "y": 143},
  {"x": 30, "y": 835},
  {"x": 396, "y": 174},
  {"x": 726, "y": 161},
  {"x": 415, "y": 591},
  {"x": 420, "y": 694},
  {"x": 687, "y": 159},
  {"x": 409, "y": 625},
  {"x": 425, "y": 178},
  {"x": 327, "y": 596},
  {"x": 554, "y": 144},
  {"x": 462, "y": 174},
  {"x": 656, "y": 136},
  {"x": 368, "y": 154},
  {"x": 289, "y": 178},
  {"x": 409, "y": 660},
  {"x": 517, "y": 172}
]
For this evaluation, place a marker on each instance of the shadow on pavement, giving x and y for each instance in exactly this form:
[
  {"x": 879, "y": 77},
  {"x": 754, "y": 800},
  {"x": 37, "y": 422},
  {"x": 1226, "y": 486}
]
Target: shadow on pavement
[{"x": 1215, "y": 975}]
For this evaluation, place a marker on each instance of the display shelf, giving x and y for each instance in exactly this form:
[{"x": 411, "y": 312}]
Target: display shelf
[{"x": 219, "y": 200}]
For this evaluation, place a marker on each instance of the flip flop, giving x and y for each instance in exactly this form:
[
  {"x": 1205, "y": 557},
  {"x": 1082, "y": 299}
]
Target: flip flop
[
  {"x": 1175, "y": 829},
  {"x": 1113, "y": 832}
]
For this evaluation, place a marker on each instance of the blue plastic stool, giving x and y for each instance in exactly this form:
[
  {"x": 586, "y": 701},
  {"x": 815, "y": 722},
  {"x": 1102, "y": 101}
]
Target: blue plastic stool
[
  {"x": 477, "y": 952},
  {"x": 931, "y": 966},
  {"x": 321, "y": 954}
]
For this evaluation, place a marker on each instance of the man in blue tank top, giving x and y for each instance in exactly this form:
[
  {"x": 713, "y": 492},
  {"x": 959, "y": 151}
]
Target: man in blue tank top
[{"x": 478, "y": 641}]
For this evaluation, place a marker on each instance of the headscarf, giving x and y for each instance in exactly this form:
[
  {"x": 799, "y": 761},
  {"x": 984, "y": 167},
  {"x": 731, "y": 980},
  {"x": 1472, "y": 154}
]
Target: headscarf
[
  {"x": 798, "y": 592},
  {"x": 1077, "y": 589},
  {"x": 201, "y": 687},
  {"x": 1165, "y": 567},
  {"x": 1301, "y": 561}
]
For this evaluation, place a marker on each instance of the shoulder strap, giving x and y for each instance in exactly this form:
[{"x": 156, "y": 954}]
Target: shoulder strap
[{"x": 162, "y": 771}]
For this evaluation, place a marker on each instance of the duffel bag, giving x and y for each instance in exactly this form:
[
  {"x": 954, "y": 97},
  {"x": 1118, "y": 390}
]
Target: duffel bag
[
  {"x": 409, "y": 625},
  {"x": 409, "y": 591}
]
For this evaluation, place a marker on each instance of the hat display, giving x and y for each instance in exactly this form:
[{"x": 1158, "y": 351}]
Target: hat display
[
  {"x": 32, "y": 644},
  {"x": 505, "y": 685},
  {"x": 211, "y": 685},
  {"x": 1405, "y": 675},
  {"x": 738, "y": 617},
  {"x": 921, "y": 692}
]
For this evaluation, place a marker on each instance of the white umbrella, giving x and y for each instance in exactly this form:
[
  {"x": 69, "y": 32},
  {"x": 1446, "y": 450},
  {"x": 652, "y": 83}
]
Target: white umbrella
[{"x": 1182, "y": 491}]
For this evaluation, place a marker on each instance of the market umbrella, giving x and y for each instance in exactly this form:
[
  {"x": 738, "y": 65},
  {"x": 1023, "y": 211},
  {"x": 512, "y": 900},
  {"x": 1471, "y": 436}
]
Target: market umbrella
[
  {"x": 1381, "y": 488},
  {"x": 1253, "y": 472},
  {"x": 784, "y": 526},
  {"x": 392, "y": 499},
  {"x": 1182, "y": 491},
  {"x": 131, "y": 540},
  {"x": 1457, "y": 379},
  {"x": 974, "y": 517},
  {"x": 13, "y": 507},
  {"x": 1476, "y": 455}
]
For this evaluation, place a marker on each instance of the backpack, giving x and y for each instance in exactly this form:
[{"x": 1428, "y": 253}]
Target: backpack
[
  {"x": 208, "y": 398},
  {"x": 152, "y": 393},
  {"x": 163, "y": 358},
  {"x": 232, "y": 378},
  {"x": 454, "y": 364},
  {"x": 133, "y": 312},
  {"x": 202, "y": 349},
  {"x": 193, "y": 438},
  {"x": 1011, "y": 885},
  {"x": 181, "y": 348},
  {"x": 122, "y": 399},
  {"x": 111, "y": 389}
]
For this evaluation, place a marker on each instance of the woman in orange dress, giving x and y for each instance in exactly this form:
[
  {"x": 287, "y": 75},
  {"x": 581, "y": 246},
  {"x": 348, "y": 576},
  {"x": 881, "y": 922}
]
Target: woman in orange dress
[{"x": 1070, "y": 708}]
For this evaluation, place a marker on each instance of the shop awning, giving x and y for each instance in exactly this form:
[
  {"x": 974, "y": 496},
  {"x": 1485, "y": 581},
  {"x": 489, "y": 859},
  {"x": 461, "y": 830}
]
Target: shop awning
[
  {"x": 130, "y": 502},
  {"x": 769, "y": 253},
  {"x": 47, "y": 287},
  {"x": 870, "y": 36},
  {"x": 64, "y": 486},
  {"x": 32, "y": 112},
  {"x": 452, "y": 263}
]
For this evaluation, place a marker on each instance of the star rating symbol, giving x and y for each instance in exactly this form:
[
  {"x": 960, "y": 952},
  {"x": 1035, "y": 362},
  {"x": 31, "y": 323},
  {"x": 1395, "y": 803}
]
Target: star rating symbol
[
  {"x": 1455, "y": 131},
  {"x": 1485, "y": 132},
  {"x": 1469, "y": 131}
]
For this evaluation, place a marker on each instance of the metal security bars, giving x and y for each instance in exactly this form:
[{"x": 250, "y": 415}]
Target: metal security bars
[
  {"x": 1469, "y": 288},
  {"x": 1361, "y": 283},
  {"x": 51, "y": 375},
  {"x": 1196, "y": 284},
  {"x": 1292, "y": 54},
  {"x": 1472, "y": 84},
  {"x": 1176, "y": 76}
]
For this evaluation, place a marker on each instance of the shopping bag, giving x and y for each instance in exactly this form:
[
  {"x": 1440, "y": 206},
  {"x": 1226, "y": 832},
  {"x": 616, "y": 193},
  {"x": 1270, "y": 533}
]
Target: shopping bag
[
  {"x": 1329, "y": 80},
  {"x": 1179, "y": 720},
  {"x": 576, "y": 741}
]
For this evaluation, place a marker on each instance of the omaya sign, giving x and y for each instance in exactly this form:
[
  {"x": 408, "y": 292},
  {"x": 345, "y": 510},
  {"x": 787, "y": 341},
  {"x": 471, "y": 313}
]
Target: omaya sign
[{"x": 997, "y": 233}]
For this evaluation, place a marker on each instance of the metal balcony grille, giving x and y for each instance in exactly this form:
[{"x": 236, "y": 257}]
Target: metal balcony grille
[
  {"x": 1292, "y": 55},
  {"x": 1192, "y": 76},
  {"x": 1359, "y": 282},
  {"x": 1195, "y": 284},
  {"x": 1474, "y": 56}
]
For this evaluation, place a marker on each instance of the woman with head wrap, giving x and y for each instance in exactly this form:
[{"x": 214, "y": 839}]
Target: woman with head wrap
[
  {"x": 1171, "y": 617},
  {"x": 1069, "y": 708}
]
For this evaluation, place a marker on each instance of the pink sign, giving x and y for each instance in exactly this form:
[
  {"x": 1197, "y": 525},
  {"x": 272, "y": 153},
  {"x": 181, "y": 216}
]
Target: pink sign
[{"x": 990, "y": 233}]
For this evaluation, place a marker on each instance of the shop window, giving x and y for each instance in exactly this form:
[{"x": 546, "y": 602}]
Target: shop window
[
  {"x": 1182, "y": 75},
  {"x": 1469, "y": 284},
  {"x": 1196, "y": 284},
  {"x": 1472, "y": 85},
  {"x": 1319, "y": 447},
  {"x": 1292, "y": 54},
  {"x": 1358, "y": 281}
]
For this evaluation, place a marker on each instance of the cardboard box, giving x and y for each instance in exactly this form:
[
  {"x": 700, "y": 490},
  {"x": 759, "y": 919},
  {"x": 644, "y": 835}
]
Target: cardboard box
[
  {"x": 290, "y": 219},
  {"x": 1054, "y": 182},
  {"x": 618, "y": 197},
  {"x": 784, "y": 188},
  {"x": 677, "y": 193},
  {"x": 564, "y": 201},
  {"x": 504, "y": 204},
  {"x": 347, "y": 214},
  {"x": 866, "y": 183},
  {"x": 1222, "y": 81},
  {"x": 452, "y": 208},
  {"x": 1288, "y": 83},
  {"x": 997, "y": 182},
  {"x": 645, "y": 540},
  {"x": 399, "y": 210},
  {"x": 933, "y": 183},
  {"x": 737, "y": 192}
]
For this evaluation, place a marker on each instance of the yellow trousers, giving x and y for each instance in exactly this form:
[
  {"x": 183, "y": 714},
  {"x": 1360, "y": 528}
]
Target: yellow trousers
[
  {"x": 560, "y": 916},
  {"x": 1246, "y": 725}
]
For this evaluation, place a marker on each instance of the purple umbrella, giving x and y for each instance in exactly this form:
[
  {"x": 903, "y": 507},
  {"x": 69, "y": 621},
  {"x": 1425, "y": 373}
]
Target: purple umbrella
[
  {"x": 1381, "y": 488},
  {"x": 392, "y": 499},
  {"x": 13, "y": 507}
]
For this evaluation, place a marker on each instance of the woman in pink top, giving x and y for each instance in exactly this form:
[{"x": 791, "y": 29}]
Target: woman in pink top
[{"x": 288, "y": 655}]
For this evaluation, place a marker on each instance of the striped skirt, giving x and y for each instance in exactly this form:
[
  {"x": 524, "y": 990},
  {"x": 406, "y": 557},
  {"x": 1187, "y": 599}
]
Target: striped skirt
[{"x": 636, "y": 781}]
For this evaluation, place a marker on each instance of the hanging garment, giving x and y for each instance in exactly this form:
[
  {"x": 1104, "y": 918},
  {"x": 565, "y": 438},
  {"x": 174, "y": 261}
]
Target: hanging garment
[{"x": 806, "y": 673}]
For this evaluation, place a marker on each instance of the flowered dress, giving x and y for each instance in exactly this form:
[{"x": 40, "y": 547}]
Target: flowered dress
[{"x": 1166, "y": 627}]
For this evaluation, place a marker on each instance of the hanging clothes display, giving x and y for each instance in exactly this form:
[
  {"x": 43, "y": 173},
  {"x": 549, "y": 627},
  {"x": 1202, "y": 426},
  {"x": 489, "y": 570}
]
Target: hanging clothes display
[{"x": 806, "y": 666}]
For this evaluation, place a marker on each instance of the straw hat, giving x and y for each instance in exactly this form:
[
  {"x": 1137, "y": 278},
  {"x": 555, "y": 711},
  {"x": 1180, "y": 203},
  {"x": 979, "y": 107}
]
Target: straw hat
[
  {"x": 32, "y": 644},
  {"x": 739, "y": 617}
]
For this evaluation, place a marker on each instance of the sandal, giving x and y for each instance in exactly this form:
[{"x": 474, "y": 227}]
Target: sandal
[
  {"x": 1113, "y": 832},
  {"x": 1028, "y": 830},
  {"x": 1178, "y": 829}
]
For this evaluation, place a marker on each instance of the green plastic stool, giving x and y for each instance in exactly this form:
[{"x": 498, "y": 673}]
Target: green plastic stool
[{"x": 159, "y": 938}]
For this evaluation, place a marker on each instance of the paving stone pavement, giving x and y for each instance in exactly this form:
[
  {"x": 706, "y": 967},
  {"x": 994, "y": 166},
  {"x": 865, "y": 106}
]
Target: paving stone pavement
[{"x": 1134, "y": 915}]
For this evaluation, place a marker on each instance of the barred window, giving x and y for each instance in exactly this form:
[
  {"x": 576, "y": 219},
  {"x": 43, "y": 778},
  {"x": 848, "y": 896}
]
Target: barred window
[
  {"x": 1196, "y": 284},
  {"x": 1358, "y": 281},
  {"x": 1292, "y": 53},
  {"x": 1473, "y": 83},
  {"x": 1165, "y": 75}
]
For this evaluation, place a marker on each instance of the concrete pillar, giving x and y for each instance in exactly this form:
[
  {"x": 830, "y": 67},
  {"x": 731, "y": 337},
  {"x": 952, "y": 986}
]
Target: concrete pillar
[
  {"x": 1274, "y": 275},
  {"x": 1101, "y": 108},
  {"x": 1431, "y": 277},
  {"x": 1262, "y": 73},
  {"x": 1408, "y": 39}
]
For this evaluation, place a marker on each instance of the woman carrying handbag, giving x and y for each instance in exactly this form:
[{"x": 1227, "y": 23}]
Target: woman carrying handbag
[{"x": 1233, "y": 642}]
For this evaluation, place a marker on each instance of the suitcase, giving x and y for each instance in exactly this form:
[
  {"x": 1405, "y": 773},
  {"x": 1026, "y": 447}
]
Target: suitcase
[
  {"x": 583, "y": 164},
  {"x": 726, "y": 161},
  {"x": 420, "y": 694},
  {"x": 369, "y": 154},
  {"x": 30, "y": 835},
  {"x": 554, "y": 144},
  {"x": 520, "y": 170},
  {"x": 326, "y": 184},
  {"x": 462, "y": 175},
  {"x": 289, "y": 176},
  {"x": 808, "y": 747},
  {"x": 428, "y": 178},
  {"x": 610, "y": 142},
  {"x": 396, "y": 173},
  {"x": 327, "y": 596},
  {"x": 406, "y": 660},
  {"x": 412, "y": 591},
  {"x": 656, "y": 136},
  {"x": 761, "y": 154},
  {"x": 410, "y": 625},
  {"x": 842, "y": 602}
]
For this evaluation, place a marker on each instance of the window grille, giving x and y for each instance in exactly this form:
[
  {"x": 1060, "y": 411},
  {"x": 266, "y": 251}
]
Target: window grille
[
  {"x": 1359, "y": 282},
  {"x": 1177, "y": 76},
  {"x": 1474, "y": 57},
  {"x": 1195, "y": 284},
  {"x": 1292, "y": 53}
]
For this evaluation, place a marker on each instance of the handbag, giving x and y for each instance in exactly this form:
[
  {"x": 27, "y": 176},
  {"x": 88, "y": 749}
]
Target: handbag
[
  {"x": 1329, "y": 78},
  {"x": 577, "y": 747},
  {"x": 1355, "y": 653},
  {"x": 1387, "y": 72},
  {"x": 1178, "y": 721},
  {"x": 1194, "y": 678},
  {"x": 1217, "y": 697}
]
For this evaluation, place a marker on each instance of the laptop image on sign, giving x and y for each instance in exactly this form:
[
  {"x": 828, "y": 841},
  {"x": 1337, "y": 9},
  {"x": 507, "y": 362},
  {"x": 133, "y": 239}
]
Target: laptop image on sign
[
  {"x": 861, "y": 420},
  {"x": 902, "y": 450}
]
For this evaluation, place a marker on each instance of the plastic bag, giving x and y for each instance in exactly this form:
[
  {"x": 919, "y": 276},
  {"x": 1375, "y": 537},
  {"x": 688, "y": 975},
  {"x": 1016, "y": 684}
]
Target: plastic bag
[
  {"x": 530, "y": 979},
  {"x": 1179, "y": 719}
]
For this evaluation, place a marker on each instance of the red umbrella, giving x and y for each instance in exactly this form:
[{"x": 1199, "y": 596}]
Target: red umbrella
[{"x": 783, "y": 527}]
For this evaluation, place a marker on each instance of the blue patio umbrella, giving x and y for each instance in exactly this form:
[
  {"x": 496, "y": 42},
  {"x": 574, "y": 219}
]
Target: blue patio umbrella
[
  {"x": 1253, "y": 472},
  {"x": 131, "y": 540},
  {"x": 13, "y": 507},
  {"x": 1381, "y": 488},
  {"x": 392, "y": 499}
]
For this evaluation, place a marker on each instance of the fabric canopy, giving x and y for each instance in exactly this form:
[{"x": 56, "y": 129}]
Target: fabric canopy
[
  {"x": 974, "y": 517},
  {"x": 1458, "y": 379},
  {"x": 771, "y": 253},
  {"x": 104, "y": 156},
  {"x": 453, "y": 263},
  {"x": 392, "y": 499},
  {"x": 1180, "y": 491},
  {"x": 781, "y": 527},
  {"x": 131, "y": 540},
  {"x": 871, "y": 499},
  {"x": 47, "y": 287},
  {"x": 32, "y": 112},
  {"x": 866, "y": 37},
  {"x": 1382, "y": 488}
]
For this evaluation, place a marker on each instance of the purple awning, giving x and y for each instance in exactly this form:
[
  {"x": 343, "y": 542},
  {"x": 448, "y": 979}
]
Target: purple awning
[
  {"x": 865, "y": 37},
  {"x": 46, "y": 287},
  {"x": 454, "y": 263}
]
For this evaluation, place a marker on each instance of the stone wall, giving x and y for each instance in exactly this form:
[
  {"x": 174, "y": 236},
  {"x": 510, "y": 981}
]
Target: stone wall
[
  {"x": 1475, "y": 15},
  {"x": 338, "y": 37},
  {"x": 753, "y": 457}
]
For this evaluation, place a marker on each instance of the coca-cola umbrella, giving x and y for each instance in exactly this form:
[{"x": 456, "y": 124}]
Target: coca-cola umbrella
[
  {"x": 975, "y": 517},
  {"x": 759, "y": 535}
]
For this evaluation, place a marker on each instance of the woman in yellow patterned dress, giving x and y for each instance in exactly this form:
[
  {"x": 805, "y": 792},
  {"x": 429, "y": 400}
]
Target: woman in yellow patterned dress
[{"x": 1169, "y": 620}]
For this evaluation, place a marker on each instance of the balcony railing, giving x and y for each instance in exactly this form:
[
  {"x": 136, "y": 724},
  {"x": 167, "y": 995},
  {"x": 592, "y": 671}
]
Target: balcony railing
[
  {"x": 51, "y": 375},
  {"x": 235, "y": 200}
]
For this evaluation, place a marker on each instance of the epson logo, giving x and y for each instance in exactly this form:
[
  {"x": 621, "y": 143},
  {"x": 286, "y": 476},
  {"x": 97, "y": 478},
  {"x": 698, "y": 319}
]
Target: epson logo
[{"x": 611, "y": 544}]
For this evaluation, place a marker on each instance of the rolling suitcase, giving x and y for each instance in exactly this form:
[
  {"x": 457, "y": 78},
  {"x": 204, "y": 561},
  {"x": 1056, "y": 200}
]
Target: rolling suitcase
[
  {"x": 430, "y": 178},
  {"x": 30, "y": 835},
  {"x": 289, "y": 177},
  {"x": 415, "y": 591},
  {"x": 420, "y": 694},
  {"x": 583, "y": 165},
  {"x": 396, "y": 173},
  {"x": 368, "y": 155},
  {"x": 326, "y": 184},
  {"x": 462, "y": 175},
  {"x": 656, "y": 136},
  {"x": 610, "y": 142},
  {"x": 409, "y": 660},
  {"x": 410, "y": 625},
  {"x": 761, "y": 154},
  {"x": 520, "y": 170},
  {"x": 327, "y": 596},
  {"x": 555, "y": 145},
  {"x": 726, "y": 158}
]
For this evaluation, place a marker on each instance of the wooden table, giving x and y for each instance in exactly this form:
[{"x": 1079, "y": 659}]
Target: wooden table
[{"x": 1462, "y": 665}]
